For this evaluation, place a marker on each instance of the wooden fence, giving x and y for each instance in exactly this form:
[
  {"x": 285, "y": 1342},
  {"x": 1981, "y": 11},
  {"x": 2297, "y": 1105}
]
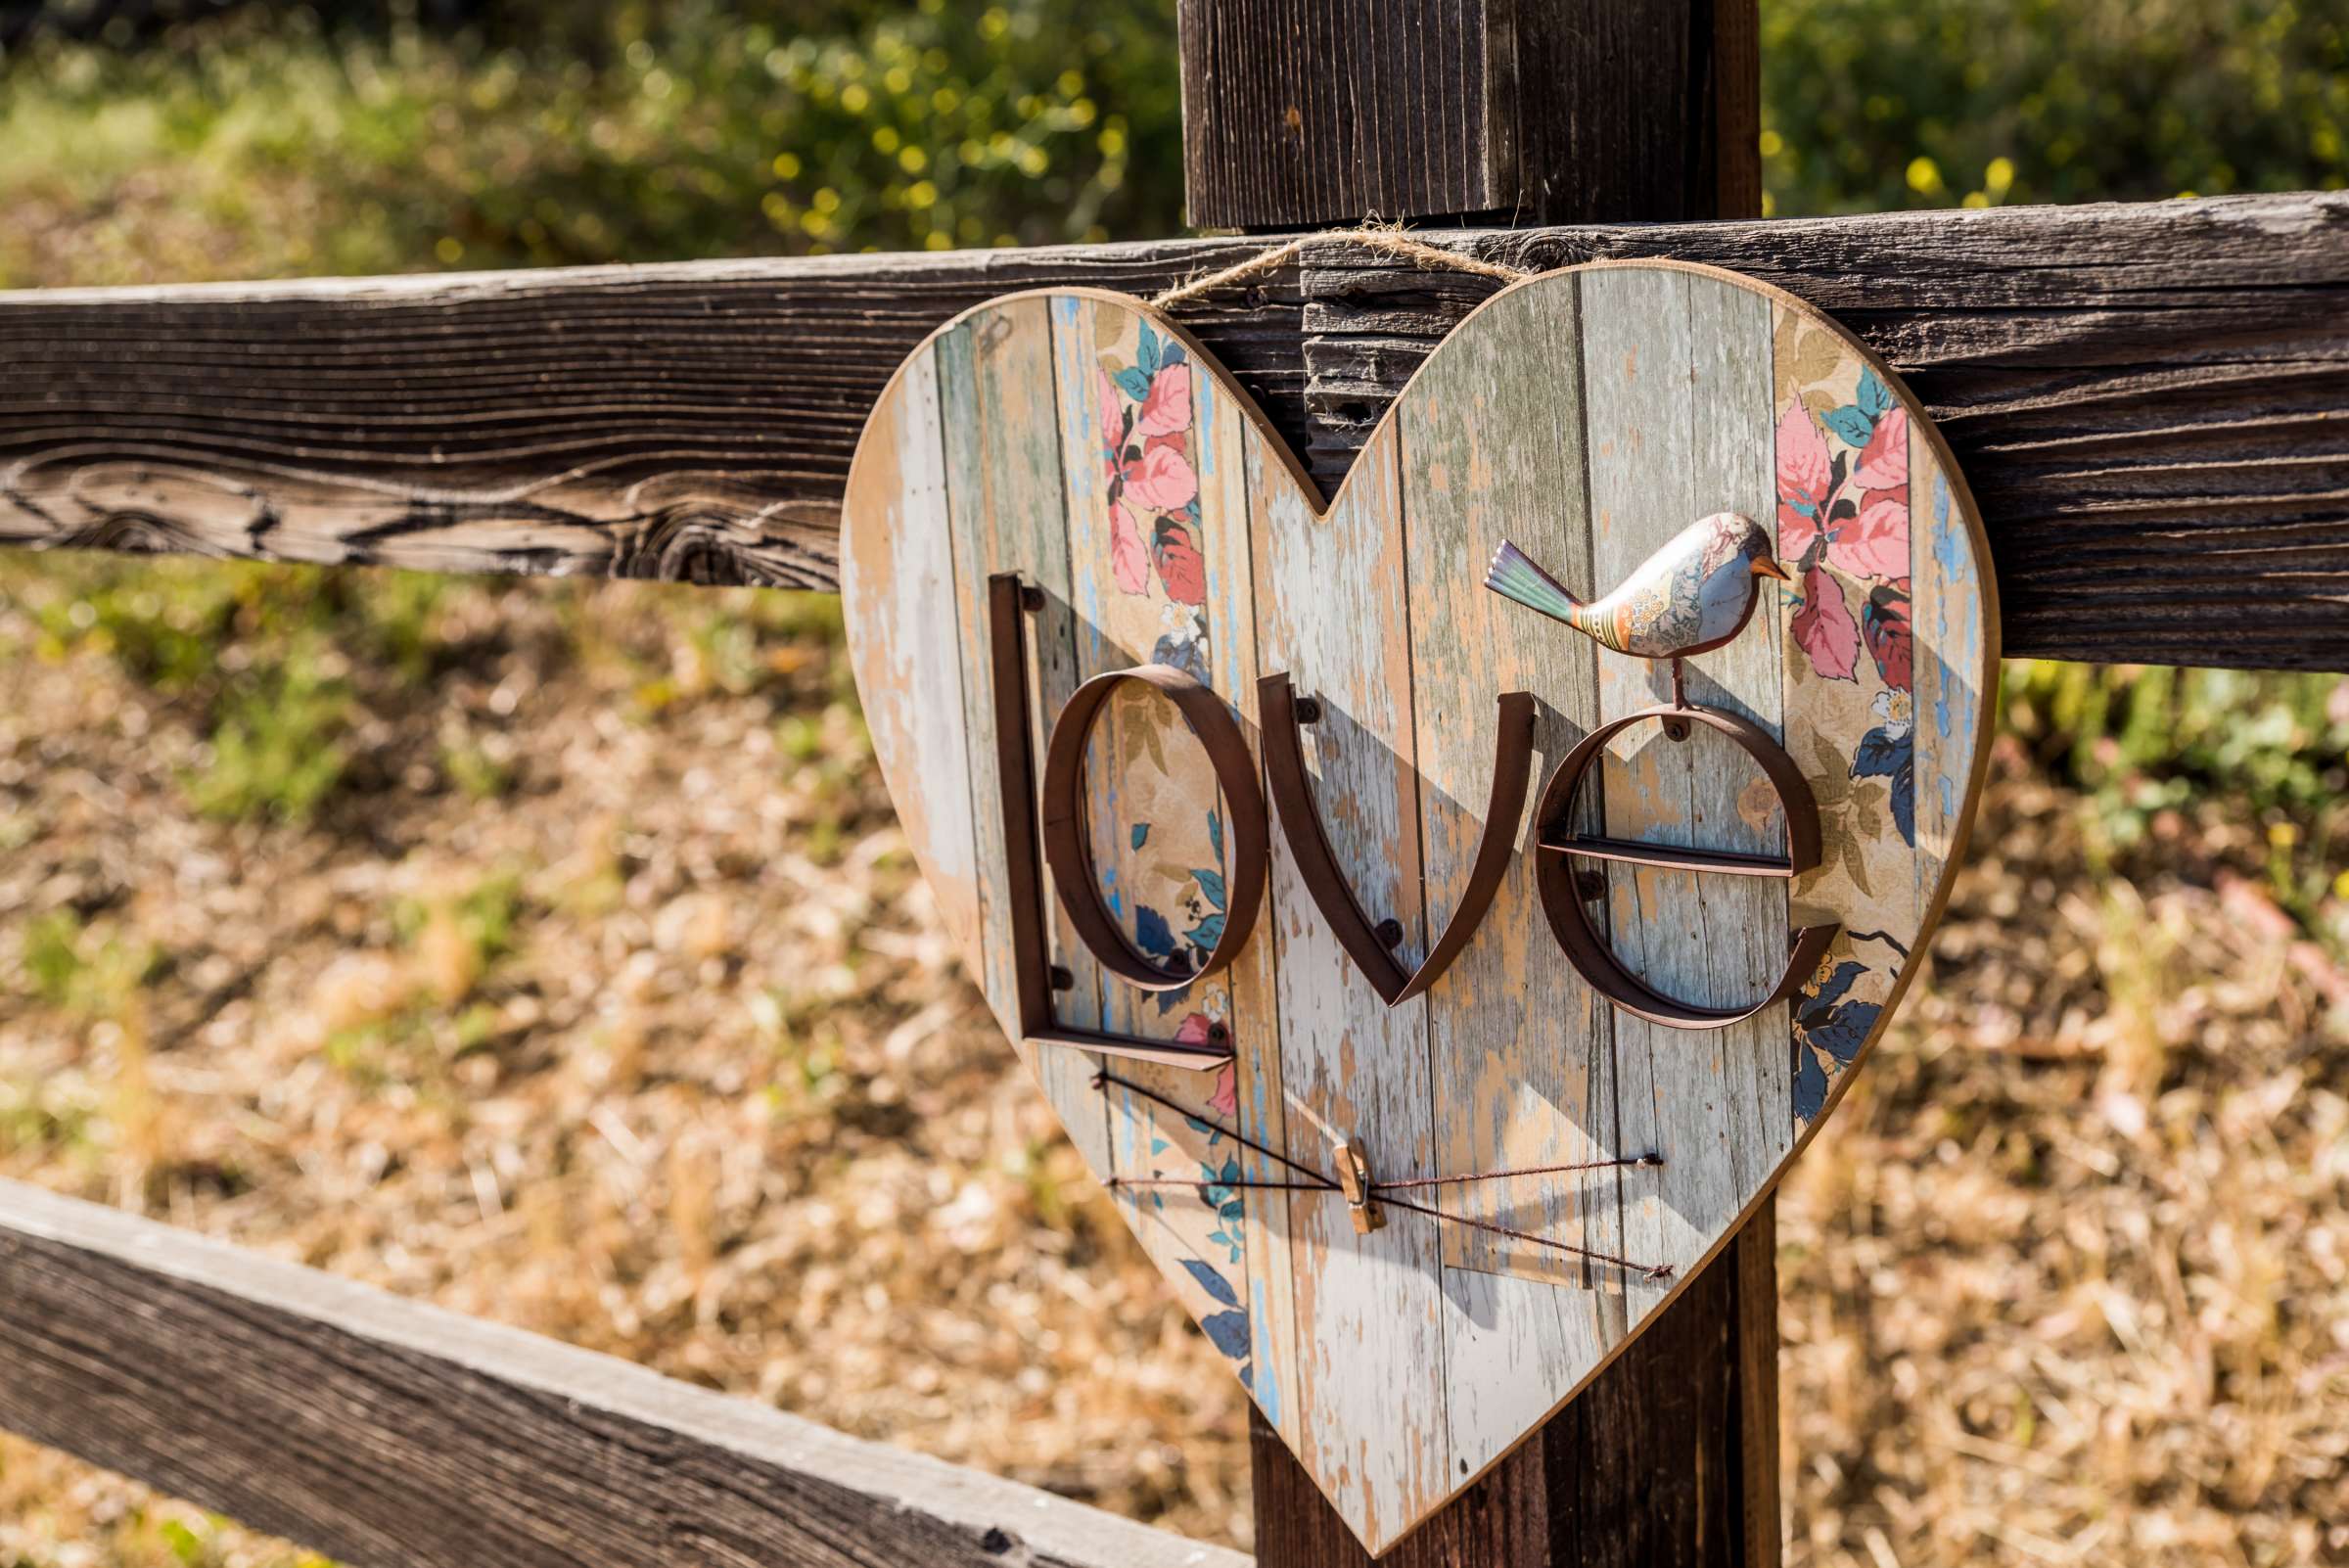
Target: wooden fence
[{"x": 2151, "y": 403}]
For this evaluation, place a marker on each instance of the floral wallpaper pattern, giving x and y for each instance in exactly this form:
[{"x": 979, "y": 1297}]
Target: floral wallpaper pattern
[
  {"x": 1162, "y": 858},
  {"x": 1843, "y": 453}
]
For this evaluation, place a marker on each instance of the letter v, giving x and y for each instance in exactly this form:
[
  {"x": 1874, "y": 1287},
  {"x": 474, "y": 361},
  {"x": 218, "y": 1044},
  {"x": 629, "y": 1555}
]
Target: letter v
[{"x": 1300, "y": 826}]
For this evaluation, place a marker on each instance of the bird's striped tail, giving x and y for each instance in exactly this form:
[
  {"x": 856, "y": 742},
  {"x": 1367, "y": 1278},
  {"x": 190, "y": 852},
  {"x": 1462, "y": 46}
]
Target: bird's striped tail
[{"x": 1514, "y": 576}]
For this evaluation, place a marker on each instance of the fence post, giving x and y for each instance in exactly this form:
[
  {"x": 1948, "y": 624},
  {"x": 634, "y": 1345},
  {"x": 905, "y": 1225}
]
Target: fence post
[{"x": 1297, "y": 114}]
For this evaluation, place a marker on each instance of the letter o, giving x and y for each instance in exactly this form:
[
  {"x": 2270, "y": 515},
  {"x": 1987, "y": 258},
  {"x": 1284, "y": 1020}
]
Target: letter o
[{"x": 1067, "y": 850}]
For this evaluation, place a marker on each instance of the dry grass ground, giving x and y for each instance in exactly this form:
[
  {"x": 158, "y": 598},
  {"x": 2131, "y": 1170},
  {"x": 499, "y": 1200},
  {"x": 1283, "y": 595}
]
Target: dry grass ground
[{"x": 551, "y": 953}]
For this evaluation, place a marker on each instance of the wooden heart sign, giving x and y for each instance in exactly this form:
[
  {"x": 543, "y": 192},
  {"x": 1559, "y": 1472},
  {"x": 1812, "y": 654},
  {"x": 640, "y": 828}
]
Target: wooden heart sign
[{"x": 1439, "y": 915}]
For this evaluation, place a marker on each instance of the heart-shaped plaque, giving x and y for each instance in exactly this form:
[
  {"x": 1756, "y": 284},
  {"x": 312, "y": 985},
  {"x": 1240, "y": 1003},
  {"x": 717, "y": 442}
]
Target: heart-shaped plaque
[{"x": 1437, "y": 974}]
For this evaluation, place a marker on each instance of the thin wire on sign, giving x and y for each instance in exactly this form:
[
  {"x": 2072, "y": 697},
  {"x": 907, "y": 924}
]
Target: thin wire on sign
[{"x": 1315, "y": 1181}]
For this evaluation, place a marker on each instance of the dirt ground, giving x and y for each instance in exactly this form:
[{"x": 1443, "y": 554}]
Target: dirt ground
[{"x": 597, "y": 994}]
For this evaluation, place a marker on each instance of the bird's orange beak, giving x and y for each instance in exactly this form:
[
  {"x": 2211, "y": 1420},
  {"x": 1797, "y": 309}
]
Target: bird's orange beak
[{"x": 1764, "y": 566}]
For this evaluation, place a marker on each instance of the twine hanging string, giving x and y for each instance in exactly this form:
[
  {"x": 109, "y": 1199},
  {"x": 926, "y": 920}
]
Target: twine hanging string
[
  {"x": 1388, "y": 241},
  {"x": 1314, "y": 1182}
]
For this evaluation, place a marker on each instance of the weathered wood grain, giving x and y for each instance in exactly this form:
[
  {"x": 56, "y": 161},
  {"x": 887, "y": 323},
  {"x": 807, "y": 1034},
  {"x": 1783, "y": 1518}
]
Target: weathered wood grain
[
  {"x": 1222, "y": 435},
  {"x": 1004, "y": 468},
  {"x": 2150, "y": 401},
  {"x": 1150, "y": 792},
  {"x": 1665, "y": 1457},
  {"x": 891, "y": 595},
  {"x": 393, "y": 1435},
  {"x": 1296, "y": 112},
  {"x": 1299, "y": 113},
  {"x": 1521, "y": 1048},
  {"x": 1329, "y": 600},
  {"x": 1676, "y": 377}
]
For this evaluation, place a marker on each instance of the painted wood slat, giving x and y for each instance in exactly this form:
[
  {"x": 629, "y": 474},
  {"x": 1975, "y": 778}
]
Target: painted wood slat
[
  {"x": 1002, "y": 446},
  {"x": 1677, "y": 391},
  {"x": 1221, "y": 454},
  {"x": 1521, "y": 1047},
  {"x": 1151, "y": 794},
  {"x": 1952, "y": 673},
  {"x": 1329, "y": 613},
  {"x": 1851, "y": 686},
  {"x": 903, "y": 574}
]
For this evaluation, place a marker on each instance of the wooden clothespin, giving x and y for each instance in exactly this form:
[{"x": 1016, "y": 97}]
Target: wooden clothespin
[{"x": 1354, "y": 1179}]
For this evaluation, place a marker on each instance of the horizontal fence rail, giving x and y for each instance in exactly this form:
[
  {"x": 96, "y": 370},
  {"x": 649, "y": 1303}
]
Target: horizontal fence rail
[
  {"x": 394, "y": 1435},
  {"x": 2151, "y": 401}
]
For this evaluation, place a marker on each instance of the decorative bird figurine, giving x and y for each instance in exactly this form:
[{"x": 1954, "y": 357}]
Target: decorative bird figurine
[{"x": 1692, "y": 595}]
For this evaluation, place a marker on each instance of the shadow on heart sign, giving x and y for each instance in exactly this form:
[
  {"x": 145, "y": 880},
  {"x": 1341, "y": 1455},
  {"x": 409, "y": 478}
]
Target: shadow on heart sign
[{"x": 1080, "y": 453}]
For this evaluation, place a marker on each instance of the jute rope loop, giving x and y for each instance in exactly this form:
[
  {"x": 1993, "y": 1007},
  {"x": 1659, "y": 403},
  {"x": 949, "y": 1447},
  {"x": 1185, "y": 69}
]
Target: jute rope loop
[{"x": 1392, "y": 242}]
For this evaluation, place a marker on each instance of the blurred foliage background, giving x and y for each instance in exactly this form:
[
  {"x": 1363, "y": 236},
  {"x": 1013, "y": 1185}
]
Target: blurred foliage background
[{"x": 261, "y": 140}]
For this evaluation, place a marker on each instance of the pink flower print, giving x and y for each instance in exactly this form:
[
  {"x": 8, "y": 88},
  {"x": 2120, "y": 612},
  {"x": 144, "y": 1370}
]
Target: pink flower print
[
  {"x": 1181, "y": 568},
  {"x": 1884, "y": 463},
  {"x": 1875, "y": 543},
  {"x": 1168, "y": 408},
  {"x": 1113, "y": 410},
  {"x": 1804, "y": 473},
  {"x": 1129, "y": 557},
  {"x": 1825, "y": 627},
  {"x": 1162, "y": 480},
  {"x": 1225, "y": 1101}
]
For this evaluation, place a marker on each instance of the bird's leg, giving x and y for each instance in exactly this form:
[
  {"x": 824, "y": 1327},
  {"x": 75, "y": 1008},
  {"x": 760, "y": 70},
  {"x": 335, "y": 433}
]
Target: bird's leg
[{"x": 1678, "y": 729}]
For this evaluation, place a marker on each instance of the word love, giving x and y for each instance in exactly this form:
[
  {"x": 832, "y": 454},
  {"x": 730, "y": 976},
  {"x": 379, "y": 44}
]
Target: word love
[{"x": 1059, "y": 806}]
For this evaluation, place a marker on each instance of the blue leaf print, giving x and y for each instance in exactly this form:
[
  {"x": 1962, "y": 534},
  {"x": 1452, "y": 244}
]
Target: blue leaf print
[
  {"x": 1171, "y": 354},
  {"x": 1149, "y": 351},
  {"x": 1875, "y": 399},
  {"x": 1882, "y": 753},
  {"x": 1233, "y": 1210},
  {"x": 1183, "y": 653},
  {"x": 1151, "y": 933},
  {"x": 1810, "y": 1085},
  {"x": 1227, "y": 1332},
  {"x": 1215, "y": 833},
  {"x": 1853, "y": 426},
  {"x": 1133, "y": 384},
  {"x": 1816, "y": 1003},
  {"x": 1205, "y": 934},
  {"x": 1844, "y": 1031},
  {"x": 1215, "y": 1284},
  {"x": 1211, "y": 886},
  {"x": 1141, "y": 834},
  {"x": 1231, "y": 1169},
  {"x": 1159, "y": 1145}
]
